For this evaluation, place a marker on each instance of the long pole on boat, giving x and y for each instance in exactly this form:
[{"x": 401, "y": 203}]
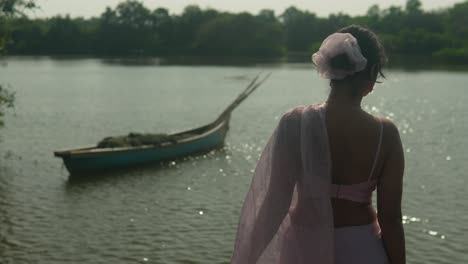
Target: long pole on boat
[{"x": 253, "y": 85}]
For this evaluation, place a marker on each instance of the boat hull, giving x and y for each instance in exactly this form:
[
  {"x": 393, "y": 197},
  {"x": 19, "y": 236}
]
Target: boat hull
[{"x": 93, "y": 159}]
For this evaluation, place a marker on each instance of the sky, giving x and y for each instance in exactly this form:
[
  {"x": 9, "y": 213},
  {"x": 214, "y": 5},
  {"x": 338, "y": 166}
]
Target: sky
[{"x": 89, "y": 8}]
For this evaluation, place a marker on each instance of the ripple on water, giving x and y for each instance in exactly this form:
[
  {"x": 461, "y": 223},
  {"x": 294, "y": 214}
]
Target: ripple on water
[{"x": 187, "y": 211}]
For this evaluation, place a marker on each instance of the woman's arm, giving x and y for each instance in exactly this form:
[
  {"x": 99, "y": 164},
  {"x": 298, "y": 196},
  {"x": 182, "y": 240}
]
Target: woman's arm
[{"x": 389, "y": 193}]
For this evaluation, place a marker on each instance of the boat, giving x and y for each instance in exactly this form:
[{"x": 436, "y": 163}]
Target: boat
[{"x": 190, "y": 142}]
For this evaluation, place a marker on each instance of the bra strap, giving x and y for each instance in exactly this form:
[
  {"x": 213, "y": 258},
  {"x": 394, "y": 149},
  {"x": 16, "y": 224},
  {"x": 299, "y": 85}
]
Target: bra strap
[{"x": 377, "y": 152}]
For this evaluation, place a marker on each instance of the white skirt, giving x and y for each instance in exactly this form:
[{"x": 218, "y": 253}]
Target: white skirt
[{"x": 359, "y": 245}]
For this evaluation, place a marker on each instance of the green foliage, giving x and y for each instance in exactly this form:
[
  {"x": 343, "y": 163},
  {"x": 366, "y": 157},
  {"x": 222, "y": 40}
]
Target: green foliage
[
  {"x": 455, "y": 56},
  {"x": 413, "y": 7},
  {"x": 301, "y": 28},
  {"x": 457, "y": 21},
  {"x": 221, "y": 36},
  {"x": 6, "y": 101},
  {"x": 126, "y": 30},
  {"x": 15, "y": 7},
  {"x": 131, "y": 28}
]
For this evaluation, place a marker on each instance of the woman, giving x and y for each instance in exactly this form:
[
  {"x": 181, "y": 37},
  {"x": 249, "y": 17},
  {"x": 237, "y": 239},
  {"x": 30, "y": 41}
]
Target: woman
[{"x": 310, "y": 198}]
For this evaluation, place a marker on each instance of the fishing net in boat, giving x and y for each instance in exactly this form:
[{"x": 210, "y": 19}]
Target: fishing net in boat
[{"x": 136, "y": 139}]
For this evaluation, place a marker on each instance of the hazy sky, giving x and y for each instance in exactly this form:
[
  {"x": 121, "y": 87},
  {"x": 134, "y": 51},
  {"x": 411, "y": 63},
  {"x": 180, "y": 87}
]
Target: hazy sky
[{"x": 89, "y": 8}]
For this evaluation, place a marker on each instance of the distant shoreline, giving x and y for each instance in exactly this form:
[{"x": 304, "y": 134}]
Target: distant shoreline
[{"x": 401, "y": 61}]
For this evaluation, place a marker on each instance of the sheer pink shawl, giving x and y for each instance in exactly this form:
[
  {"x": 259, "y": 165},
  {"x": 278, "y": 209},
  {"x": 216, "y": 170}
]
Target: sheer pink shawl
[{"x": 287, "y": 215}]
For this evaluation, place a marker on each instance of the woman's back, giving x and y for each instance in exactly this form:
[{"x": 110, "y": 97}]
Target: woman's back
[{"x": 356, "y": 157}]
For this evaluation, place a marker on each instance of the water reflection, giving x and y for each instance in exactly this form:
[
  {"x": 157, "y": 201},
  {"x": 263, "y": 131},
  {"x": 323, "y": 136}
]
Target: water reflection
[
  {"x": 188, "y": 60},
  {"x": 133, "y": 61},
  {"x": 155, "y": 169},
  {"x": 422, "y": 225}
]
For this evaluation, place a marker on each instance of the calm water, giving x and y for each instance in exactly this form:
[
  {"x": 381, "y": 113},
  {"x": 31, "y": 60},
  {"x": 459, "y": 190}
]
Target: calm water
[{"x": 187, "y": 211}]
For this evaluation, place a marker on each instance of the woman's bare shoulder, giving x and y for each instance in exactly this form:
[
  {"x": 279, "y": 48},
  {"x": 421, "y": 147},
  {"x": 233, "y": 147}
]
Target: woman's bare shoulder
[
  {"x": 297, "y": 112},
  {"x": 390, "y": 128},
  {"x": 391, "y": 137},
  {"x": 293, "y": 113},
  {"x": 291, "y": 116}
]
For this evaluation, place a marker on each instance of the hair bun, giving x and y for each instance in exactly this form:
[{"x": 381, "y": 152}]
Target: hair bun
[
  {"x": 341, "y": 62},
  {"x": 339, "y": 56}
]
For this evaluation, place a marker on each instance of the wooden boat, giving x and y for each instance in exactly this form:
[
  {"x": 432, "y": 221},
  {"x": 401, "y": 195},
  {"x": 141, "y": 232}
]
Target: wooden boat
[{"x": 190, "y": 142}]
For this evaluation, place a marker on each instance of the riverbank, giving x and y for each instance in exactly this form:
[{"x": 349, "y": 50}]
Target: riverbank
[{"x": 407, "y": 62}]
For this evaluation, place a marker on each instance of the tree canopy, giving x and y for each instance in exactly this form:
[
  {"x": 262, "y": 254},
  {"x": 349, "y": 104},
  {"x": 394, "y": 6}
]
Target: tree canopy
[{"x": 131, "y": 28}]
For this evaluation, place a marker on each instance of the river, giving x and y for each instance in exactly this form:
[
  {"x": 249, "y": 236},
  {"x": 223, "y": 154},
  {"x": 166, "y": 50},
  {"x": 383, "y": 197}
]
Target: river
[{"x": 187, "y": 211}]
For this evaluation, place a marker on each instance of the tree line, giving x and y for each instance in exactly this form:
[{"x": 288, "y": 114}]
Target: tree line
[{"x": 133, "y": 29}]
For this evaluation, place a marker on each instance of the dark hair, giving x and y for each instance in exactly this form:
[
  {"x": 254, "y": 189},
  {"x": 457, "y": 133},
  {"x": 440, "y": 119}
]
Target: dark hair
[
  {"x": 371, "y": 48},
  {"x": 341, "y": 62}
]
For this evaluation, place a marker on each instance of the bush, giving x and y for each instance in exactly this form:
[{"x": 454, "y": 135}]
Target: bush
[
  {"x": 459, "y": 56},
  {"x": 6, "y": 101}
]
